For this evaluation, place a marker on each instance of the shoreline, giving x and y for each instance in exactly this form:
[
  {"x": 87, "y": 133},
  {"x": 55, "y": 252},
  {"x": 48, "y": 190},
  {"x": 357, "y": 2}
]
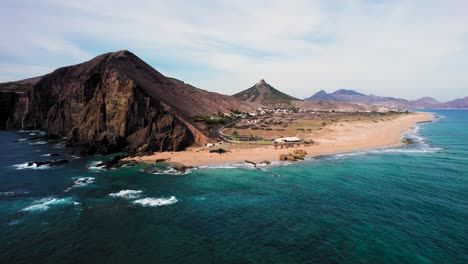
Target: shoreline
[{"x": 340, "y": 138}]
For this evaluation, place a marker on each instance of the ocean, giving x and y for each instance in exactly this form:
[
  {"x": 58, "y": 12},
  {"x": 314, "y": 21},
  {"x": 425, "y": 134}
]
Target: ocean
[{"x": 399, "y": 205}]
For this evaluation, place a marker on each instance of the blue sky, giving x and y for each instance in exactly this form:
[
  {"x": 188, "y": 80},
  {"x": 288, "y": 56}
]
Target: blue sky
[{"x": 392, "y": 48}]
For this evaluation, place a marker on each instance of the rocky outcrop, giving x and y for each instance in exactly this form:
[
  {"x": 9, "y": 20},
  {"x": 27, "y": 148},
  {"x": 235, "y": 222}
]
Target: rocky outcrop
[
  {"x": 297, "y": 154},
  {"x": 114, "y": 102},
  {"x": 47, "y": 163}
]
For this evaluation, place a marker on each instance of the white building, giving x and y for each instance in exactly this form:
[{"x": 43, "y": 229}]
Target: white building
[{"x": 288, "y": 140}]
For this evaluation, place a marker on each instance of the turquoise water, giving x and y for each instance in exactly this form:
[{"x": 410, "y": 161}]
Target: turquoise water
[{"x": 405, "y": 205}]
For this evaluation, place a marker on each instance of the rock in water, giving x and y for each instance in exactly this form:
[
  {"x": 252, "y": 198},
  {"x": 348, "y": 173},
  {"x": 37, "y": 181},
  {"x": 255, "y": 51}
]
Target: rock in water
[
  {"x": 114, "y": 162},
  {"x": 47, "y": 163},
  {"x": 299, "y": 154}
]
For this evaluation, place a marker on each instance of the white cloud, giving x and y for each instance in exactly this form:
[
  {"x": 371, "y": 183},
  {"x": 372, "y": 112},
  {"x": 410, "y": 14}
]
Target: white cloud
[{"x": 394, "y": 48}]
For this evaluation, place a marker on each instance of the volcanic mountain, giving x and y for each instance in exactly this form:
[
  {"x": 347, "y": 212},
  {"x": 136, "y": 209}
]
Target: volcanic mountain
[
  {"x": 264, "y": 94},
  {"x": 111, "y": 103},
  {"x": 351, "y": 96}
]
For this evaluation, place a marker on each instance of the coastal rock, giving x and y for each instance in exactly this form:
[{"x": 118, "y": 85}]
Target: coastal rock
[
  {"x": 407, "y": 141},
  {"x": 299, "y": 154},
  {"x": 178, "y": 170},
  {"x": 287, "y": 157},
  {"x": 47, "y": 163},
  {"x": 114, "y": 162},
  {"x": 251, "y": 162},
  {"x": 219, "y": 151}
]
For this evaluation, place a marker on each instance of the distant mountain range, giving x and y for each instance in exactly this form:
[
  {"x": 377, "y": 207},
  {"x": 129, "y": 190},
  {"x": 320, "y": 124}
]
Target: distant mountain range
[
  {"x": 263, "y": 94},
  {"x": 352, "y": 96}
]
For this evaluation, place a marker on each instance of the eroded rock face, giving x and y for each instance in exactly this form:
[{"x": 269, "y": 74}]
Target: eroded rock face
[{"x": 100, "y": 108}]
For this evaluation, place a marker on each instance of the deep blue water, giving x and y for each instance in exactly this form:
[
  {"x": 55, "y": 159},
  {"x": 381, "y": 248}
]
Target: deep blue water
[{"x": 405, "y": 205}]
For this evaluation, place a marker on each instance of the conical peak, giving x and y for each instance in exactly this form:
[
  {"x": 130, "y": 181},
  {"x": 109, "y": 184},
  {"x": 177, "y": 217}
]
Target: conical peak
[{"x": 261, "y": 82}]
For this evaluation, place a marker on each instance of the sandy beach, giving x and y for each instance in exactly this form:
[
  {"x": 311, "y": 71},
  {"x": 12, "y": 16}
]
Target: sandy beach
[{"x": 337, "y": 138}]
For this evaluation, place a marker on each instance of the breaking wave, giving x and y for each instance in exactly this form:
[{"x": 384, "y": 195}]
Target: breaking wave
[
  {"x": 33, "y": 166},
  {"x": 170, "y": 171},
  {"x": 93, "y": 166},
  {"x": 155, "y": 202},
  {"x": 127, "y": 194},
  {"x": 40, "y": 142},
  {"x": 81, "y": 182},
  {"x": 47, "y": 203},
  {"x": 419, "y": 145}
]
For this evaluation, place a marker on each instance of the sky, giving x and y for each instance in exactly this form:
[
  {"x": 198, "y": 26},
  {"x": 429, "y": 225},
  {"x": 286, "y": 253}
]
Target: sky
[{"x": 405, "y": 49}]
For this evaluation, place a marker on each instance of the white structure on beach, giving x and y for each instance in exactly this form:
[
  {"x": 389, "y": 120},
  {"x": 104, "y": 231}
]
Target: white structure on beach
[{"x": 288, "y": 140}]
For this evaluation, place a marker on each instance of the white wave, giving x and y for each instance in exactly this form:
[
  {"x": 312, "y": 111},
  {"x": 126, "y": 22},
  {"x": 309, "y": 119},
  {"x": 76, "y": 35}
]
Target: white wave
[
  {"x": 7, "y": 193},
  {"x": 81, "y": 182},
  {"x": 171, "y": 171},
  {"x": 40, "y": 142},
  {"x": 408, "y": 150},
  {"x": 405, "y": 149},
  {"x": 46, "y": 203},
  {"x": 127, "y": 194},
  {"x": 22, "y": 139},
  {"x": 33, "y": 166},
  {"x": 155, "y": 202},
  {"x": 93, "y": 166},
  {"x": 219, "y": 167},
  {"x": 50, "y": 154}
]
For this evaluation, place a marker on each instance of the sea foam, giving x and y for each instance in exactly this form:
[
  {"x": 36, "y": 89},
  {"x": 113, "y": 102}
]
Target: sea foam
[
  {"x": 34, "y": 166},
  {"x": 40, "y": 142},
  {"x": 127, "y": 194},
  {"x": 80, "y": 182},
  {"x": 47, "y": 203},
  {"x": 93, "y": 166},
  {"x": 155, "y": 202}
]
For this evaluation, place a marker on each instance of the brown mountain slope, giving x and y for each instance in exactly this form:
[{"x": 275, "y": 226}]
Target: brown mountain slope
[
  {"x": 116, "y": 102},
  {"x": 19, "y": 86},
  {"x": 264, "y": 94}
]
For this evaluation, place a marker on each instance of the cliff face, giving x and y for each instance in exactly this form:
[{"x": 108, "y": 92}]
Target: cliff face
[{"x": 114, "y": 102}]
